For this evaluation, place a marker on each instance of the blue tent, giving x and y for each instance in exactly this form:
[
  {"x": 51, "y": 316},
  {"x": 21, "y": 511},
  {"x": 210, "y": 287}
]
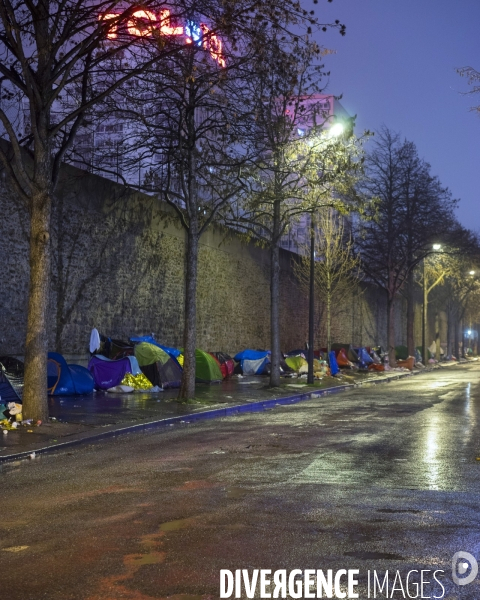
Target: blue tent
[
  {"x": 334, "y": 369},
  {"x": 364, "y": 358},
  {"x": 67, "y": 380},
  {"x": 253, "y": 362}
]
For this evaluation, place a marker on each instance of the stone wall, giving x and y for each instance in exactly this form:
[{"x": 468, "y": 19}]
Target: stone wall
[{"x": 118, "y": 265}]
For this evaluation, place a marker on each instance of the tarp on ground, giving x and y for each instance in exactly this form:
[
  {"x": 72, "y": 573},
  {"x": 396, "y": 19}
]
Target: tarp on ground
[
  {"x": 67, "y": 380},
  {"x": 175, "y": 352},
  {"x": 349, "y": 351},
  {"x": 108, "y": 373},
  {"x": 147, "y": 354}
]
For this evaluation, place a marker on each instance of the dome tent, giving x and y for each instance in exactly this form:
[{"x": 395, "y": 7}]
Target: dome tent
[
  {"x": 159, "y": 367},
  {"x": 67, "y": 380},
  {"x": 207, "y": 369}
]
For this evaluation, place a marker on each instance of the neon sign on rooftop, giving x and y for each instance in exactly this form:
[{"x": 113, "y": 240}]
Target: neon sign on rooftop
[{"x": 144, "y": 23}]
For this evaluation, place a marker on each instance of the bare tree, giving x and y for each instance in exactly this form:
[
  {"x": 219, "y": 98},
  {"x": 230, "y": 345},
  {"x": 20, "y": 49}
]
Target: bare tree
[
  {"x": 473, "y": 78},
  {"x": 58, "y": 58},
  {"x": 412, "y": 211},
  {"x": 297, "y": 165},
  {"x": 336, "y": 266},
  {"x": 192, "y": 118}
]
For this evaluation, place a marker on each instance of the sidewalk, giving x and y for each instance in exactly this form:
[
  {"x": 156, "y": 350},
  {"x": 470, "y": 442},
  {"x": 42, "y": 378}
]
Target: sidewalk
[{"x": 86, "y": 419}]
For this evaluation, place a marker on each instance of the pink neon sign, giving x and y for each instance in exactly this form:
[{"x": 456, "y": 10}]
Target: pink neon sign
[{"x": 143, "y": 23}]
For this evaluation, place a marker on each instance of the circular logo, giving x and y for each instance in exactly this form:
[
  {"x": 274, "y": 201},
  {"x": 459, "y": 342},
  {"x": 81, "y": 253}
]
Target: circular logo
[{"x": 462, "y": 562}]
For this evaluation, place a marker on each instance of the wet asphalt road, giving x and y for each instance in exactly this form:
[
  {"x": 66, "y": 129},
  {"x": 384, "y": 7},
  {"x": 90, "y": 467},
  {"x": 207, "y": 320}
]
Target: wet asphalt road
[{"x": 383, "y": 477}]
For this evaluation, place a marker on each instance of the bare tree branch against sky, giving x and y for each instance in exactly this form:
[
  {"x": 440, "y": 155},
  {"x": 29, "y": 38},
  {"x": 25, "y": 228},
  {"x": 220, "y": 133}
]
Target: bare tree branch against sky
[{"x": 397, "y": 66}]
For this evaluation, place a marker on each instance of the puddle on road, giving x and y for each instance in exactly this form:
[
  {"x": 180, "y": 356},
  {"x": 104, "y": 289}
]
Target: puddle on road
[
  {"x": 15, "y": 549},
  {"x": 399, "y": 510},
  {"x": 176, "y": 525},
  {"x": 183, "y": 597},
  {"x": 236, "y": 492},
  {"x": 138, "y": 560},
  {"x": 374, "y": 555}
]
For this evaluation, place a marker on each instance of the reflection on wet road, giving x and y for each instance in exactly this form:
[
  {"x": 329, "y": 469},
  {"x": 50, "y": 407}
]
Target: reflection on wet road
[{"x": 384, "y": 477}]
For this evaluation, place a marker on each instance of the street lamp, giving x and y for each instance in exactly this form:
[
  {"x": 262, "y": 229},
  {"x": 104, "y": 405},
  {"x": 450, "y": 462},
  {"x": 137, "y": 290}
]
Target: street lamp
[{"x": 335, "y": 131}]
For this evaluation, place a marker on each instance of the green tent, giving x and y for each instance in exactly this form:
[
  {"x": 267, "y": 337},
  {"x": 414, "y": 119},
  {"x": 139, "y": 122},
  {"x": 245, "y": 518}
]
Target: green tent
[
  {"x": 297, "y": 363},
  {"x": 207, "y": 369},
  {"x": 148, "y": 354}
]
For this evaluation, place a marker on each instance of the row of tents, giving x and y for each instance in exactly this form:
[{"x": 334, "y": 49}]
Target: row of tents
[{"x": 144, "y": 364}]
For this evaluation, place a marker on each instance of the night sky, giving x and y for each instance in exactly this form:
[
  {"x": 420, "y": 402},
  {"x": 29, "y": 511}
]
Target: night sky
[{"x": 396, "y": 67}]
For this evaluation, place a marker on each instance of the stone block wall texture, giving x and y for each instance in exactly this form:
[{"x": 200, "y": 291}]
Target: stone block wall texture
[{"x": 118, "y": 265}]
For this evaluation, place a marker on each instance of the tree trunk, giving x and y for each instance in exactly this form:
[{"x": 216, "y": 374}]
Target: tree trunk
[
  {"x": 462, "y": 339},
  {"x": 329, "y": 322},
  {"x": 456, "y": 342},
  {"x": 437, "y": 337},
  {"x": 275, "y": 315},
  {"x": 410, "y": 314},
  {"x": 35, "y": 400},
  {"x": 449, "y": 333},
  {"x": 187, "y": 389},
  {"x": 391, "y": 331}
]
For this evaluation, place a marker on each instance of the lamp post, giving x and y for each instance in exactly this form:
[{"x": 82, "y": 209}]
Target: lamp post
[
  {"x": 335, "y": 131},
  {"x": 436, "y": 248},
  {"x": 311, "y": 307}
]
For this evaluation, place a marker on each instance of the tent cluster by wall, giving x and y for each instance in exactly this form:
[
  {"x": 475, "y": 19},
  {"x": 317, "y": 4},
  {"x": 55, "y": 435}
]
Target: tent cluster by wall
[{"x": 143, "y": 364}]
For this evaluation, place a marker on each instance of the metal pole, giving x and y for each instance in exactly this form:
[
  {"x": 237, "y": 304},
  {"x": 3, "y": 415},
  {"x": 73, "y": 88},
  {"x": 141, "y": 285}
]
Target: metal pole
[
  {"x": 424, "y": 318},
  {"x": 311, "y": 309}
]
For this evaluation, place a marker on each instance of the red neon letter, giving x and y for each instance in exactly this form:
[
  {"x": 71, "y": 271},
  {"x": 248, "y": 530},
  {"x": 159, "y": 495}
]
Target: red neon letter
[
  {"x": 132, "y": 25},
  {"x": 165, "y": 28},
  {"x": 112, "y": 31},
  {"x": 213, "y": 44}
]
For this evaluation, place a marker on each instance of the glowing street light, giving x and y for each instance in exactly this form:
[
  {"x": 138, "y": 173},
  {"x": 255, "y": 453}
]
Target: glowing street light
[
  {"x": 336, "y": 130},
  {"x": 472, "y": 273},
  {"x": 437, "y": 246}
]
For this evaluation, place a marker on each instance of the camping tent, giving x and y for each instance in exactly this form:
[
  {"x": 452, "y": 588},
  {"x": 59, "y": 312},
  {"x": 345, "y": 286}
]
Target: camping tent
[
  {"x": 349, "y": 351},
  {"x": 253, "y": 362},
  {"x": 11, "y": 379},
  {"x": 159, "y": 367},
  {"x": 67, "y": 380},
  {"x": 364, "y": 358},
  {"x": 297, "y": 363},
  {"x": 108, "y": 373},
  {"x": 226, "y": 362},
  {"x": 114, "y": 349},
  {"x": 175, "y": 352},
  {"x": 333, "y": 363},
  {"x": 342, "y": 358},
  {"x": 207, "y": 369}
]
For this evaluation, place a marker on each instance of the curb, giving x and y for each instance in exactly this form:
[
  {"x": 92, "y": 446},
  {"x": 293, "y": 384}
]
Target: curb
[{"x": 203, "y": 416}]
